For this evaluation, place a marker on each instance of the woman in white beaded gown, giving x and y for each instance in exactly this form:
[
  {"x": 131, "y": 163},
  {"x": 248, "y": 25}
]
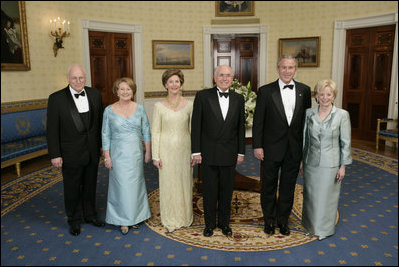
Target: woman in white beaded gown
[{"x": 171, "y": 153}]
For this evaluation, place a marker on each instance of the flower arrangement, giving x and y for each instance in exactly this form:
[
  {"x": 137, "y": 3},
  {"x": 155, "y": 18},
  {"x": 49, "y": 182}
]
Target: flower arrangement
[{"x": 250, "y": 100}]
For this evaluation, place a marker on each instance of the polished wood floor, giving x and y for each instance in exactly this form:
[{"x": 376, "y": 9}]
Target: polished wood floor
[{"x": 32, "y": 165}]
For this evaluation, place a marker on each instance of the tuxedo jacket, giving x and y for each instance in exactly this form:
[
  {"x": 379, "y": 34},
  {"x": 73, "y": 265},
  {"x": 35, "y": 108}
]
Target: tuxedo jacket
[
  {"x": 270, "y": 129},
  {"x": 67, "y": 135},
  {"x": 219, "y": 141}
]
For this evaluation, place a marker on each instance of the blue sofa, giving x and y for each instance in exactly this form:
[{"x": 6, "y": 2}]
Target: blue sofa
[{"x": 23, "y": 132}]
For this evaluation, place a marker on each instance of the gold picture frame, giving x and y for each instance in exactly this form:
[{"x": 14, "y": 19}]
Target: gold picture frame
[
  {"x": 14, "y": 37},
  {"x": 234, "y": 8},
  {"x": 172, "y": 54},
  {"x": 306, "y": 50}
]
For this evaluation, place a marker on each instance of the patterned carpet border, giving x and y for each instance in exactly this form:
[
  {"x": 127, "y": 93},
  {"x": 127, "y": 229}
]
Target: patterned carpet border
[
  {"x": 246, "y": 222},
  {"x": 19, "y": 190}
]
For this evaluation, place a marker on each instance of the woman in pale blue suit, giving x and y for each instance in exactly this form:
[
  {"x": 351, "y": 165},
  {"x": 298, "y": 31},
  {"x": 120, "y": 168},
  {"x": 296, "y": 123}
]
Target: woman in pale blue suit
[
  {"x": 327, "y": 149},
  {"x": 124, "y": 124}
]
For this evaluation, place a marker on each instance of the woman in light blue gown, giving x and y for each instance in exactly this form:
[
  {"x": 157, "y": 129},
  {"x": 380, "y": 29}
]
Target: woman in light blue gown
[
  {"x": 124, "y": 124},
  {"x": 327, "y": 149}
]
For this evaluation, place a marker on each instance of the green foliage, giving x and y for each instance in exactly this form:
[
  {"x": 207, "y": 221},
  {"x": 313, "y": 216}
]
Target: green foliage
[{"x": 250, "y": 100}]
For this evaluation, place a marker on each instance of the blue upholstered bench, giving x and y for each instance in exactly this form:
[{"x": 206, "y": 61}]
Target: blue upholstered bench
[
  {"x": 23, "y": 132},
  {"x": 386, "y": 134}
]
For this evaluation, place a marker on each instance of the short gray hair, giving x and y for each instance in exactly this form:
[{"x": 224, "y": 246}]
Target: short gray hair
[
  {"x": 287, "y": 56},
  {"x": 75, "y": 65}
]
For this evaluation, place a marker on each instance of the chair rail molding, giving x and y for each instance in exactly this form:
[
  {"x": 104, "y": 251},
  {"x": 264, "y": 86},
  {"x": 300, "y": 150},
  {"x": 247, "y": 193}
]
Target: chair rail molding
[
  {"x": 137, "y": 49},
  {"x": 338, "y": 65},
  {"x": 241, "y": 29}
]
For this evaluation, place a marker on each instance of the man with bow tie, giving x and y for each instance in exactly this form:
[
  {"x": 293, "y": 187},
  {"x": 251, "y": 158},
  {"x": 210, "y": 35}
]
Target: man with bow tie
[
  {"x": 74, "y": 120},
  {"x": 277, "y": 142},
  {"x": 218, "y": 144}
]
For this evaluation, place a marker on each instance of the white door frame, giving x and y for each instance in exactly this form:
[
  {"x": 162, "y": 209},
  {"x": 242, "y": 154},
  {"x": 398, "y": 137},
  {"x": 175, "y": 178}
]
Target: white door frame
[
  {"x": 137, "y": 51},
  {"x": 208, "y": 50},
  {"x": 338, "y": 66}
]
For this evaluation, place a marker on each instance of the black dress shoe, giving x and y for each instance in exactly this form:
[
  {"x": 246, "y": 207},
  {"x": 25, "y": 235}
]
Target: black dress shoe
[
  {"x": 284, "y": 230},
  {"x": 96, "y": 222},
  {"x": 208, "y": 232},
  {"x": 227, "y": 231},
  {"x": 269, "y": 229},
  {"x": 74, "y": 229}
]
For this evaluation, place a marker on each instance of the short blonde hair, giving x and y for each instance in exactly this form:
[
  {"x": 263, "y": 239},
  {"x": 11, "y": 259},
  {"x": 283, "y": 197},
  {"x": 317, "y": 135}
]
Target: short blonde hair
[
  {"x": 320, "y": 85},
  {"x": 129, "y": 82}
]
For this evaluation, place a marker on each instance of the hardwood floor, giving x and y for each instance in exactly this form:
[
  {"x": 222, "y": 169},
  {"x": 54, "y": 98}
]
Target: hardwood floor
[{"x": 32, "y": 165}]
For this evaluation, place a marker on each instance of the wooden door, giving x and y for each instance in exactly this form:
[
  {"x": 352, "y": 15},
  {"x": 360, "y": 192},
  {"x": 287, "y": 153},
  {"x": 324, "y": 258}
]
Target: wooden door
[
  {"x": 241, "y": 54},
  {"x": 110, "y": 58},
  {"x": 367, "y": 78}
]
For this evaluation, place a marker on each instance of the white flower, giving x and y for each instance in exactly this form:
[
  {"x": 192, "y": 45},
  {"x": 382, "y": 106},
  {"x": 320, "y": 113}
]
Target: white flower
[{"x": 250, "y": 100}]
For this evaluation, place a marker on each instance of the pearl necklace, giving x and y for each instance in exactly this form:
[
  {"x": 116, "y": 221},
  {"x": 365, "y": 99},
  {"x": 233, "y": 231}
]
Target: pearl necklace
[{"x": 174, "y": 105}]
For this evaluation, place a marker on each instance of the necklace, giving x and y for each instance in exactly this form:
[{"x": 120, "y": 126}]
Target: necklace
[
  {"x": 173, "y": 105},
  {"x": 124, "y": 110}
]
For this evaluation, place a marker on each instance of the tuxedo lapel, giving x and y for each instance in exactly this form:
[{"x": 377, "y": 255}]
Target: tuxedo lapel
[
  {"x": 278, "y": 101},
  {"x": 77, "y": 120},
  {"x": 215, "y": 106},
  {"x": 232, "y": 107},
  {"x": 91, "y": 107},
  {"x": 298, "y": 100}
]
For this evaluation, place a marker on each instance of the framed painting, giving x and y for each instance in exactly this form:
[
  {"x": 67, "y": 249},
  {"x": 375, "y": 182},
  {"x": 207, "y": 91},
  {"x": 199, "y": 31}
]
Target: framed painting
[
  {"x": 234, "y": 8},
  {"x": 306, "y": 50},
  {"x": 14, "y": 37},
  {"x": 172, "y": 54}
]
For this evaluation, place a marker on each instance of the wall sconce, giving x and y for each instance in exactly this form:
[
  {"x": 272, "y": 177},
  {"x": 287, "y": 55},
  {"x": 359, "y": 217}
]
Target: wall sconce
[{"x": 59, "y": 29}]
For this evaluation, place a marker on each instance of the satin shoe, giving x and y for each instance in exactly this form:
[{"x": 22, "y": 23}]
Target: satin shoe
[{"x": 124, "y": 230}]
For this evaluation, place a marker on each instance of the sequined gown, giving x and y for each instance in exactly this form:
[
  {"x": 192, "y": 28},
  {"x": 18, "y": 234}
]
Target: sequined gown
[{"x": 171, "y": 144}]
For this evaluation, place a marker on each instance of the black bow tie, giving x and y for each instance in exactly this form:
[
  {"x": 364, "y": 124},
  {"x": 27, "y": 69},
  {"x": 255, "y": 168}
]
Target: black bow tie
[
  {"x": 291, "y": 86},
  {"x": 226, "y": 95},
  {"x": 80, "y": 94}
]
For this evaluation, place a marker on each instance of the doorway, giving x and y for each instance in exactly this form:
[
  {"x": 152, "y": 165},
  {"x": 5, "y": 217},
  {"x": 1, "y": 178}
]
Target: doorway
[
  {"x": 110, "y": 58},
  {"x": 367, "y": 77},
  {"x": 241, "y": 54}
]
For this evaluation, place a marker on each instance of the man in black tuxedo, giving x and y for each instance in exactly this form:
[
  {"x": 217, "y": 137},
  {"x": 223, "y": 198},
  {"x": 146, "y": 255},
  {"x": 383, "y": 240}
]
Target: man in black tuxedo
[
  {"x": 277, "y": 141},
  {"x": 218, "y": 143},
  {"x": 74, "y": 119}
]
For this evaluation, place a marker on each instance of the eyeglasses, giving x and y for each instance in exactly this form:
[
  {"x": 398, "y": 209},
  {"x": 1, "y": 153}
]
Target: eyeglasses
[{"x": 225, "y": 75}]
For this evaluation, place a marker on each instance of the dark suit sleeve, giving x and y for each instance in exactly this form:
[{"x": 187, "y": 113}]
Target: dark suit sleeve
[
  {"x": 196, "y": 121},
  {"x": 260, "y": 113},
  {"x": 53, "y": 127}
]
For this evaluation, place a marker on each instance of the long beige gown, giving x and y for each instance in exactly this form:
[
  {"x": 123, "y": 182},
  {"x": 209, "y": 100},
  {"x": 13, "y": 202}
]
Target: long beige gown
[{"x": 171, "y": 143}]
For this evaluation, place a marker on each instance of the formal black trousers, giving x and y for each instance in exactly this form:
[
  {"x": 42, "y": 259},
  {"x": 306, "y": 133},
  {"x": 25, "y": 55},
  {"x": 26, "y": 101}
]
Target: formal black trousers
[
  {"x": 80, "y": 184},
  {"x": 217, "y": 187},
  {"x": 278, "y": 207}
]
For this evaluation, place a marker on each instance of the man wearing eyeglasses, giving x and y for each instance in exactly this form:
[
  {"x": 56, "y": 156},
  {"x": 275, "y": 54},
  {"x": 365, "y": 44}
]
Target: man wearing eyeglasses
[
  {"x": 74, "y": 119},
  {"x": 218, "y": 144}
]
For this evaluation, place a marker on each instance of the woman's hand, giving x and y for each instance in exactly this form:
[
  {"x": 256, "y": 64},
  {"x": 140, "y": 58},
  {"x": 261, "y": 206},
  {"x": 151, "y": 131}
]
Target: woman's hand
[
  {"x": 341, "y": 173},
  {"x": 157, "y": 163},
  {"x": 108, "y": 162}
]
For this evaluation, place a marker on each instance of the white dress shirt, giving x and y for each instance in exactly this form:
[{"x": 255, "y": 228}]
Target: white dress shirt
[
  {"x": 224, "y": 103},
  {"x": 288, "y": 97},
  {"x": 82, "y": 103}
]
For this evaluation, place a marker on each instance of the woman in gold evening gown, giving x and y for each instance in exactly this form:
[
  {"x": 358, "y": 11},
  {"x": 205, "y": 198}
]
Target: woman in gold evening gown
[{"x": 171, "y": 153}]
